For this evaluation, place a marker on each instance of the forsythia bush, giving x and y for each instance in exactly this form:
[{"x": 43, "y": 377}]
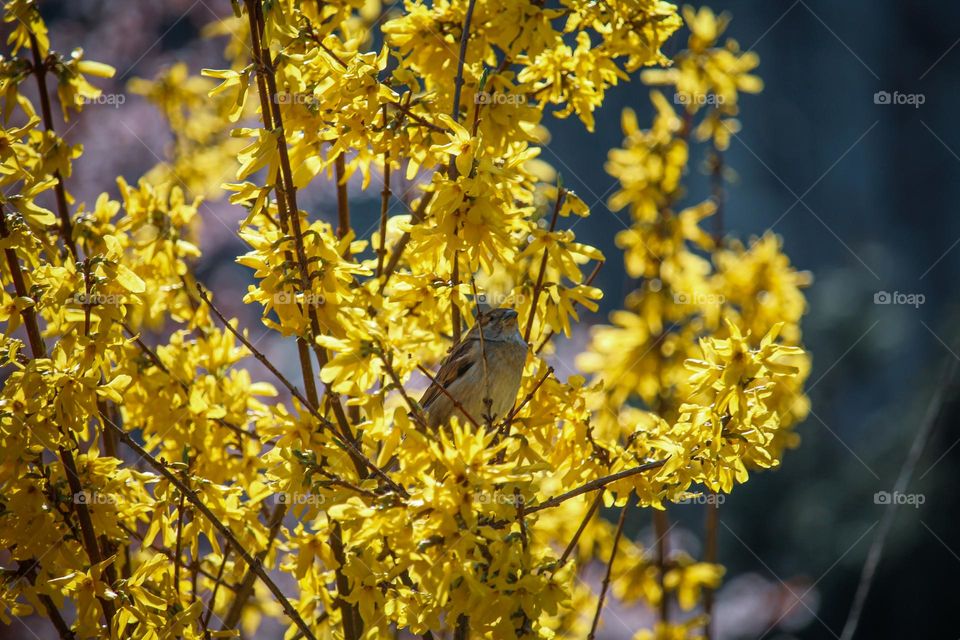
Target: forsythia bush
[{"x": 150, "y": 487}]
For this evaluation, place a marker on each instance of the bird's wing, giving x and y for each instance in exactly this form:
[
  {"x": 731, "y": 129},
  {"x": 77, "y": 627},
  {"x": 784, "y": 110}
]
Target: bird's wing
[{"x": 461, "y": 358}]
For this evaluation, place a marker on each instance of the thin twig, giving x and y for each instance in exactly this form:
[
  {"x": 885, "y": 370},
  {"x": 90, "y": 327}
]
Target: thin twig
[
  {"x": 550, "y": 334},
  {"x": 455, "y": 321},
  {"x": 513, "y": 414},
  {"x": 583, "y": 525},
  {"x": 606, "y": 578},
  {"x": 487, "y": 401},
  {"x": 418, "y": 215},
  {"x": 28, "y": 312},
  {"x": 458, "y": 81},
  {"x": 561, "y": 195},
  {"x": 212, "y": 603},
  {"x": 443, "y": 390},
  {"x": 40, "y": 71},
  {"x": 415, "y": 409},
  {"x": 343, "y": 203},
  {"x": 245, "y": 588},
  {"x": 662, "y": 527},
  {"x": 178, "y": 549},
  {"x": 932, "y": 417},
  {"x": 719, "y": 197},
  {"x": 593, "y": 485},
  {"x": 452, "y": 170},
  {"x": 63, "y": 629},
  {"x": 384, "y": 204},
  {"x": 712, "y": 519}
]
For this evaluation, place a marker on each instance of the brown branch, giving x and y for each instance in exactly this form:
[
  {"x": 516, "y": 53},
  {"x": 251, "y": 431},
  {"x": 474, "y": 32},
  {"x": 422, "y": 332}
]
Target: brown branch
[
  {"x": 178, "y": 549},
  {"x": 406, "y": 110},
  {"x": 662, "y": 527},
  {"x": 343, "y": 203},
  {"x": 88, "y": 534},
  {"x": 29, "y": 568},
  {"x": 224, "y": 530},
  {"x": 166, "y": 552},
  {"x": 418, "y": 215},
  {"x": 561, "y": 195},
  {"x": 39, "y": 350},
  {"x": 458, "y": 82},
  {"x": 63, "y": 629},
  {"x": 508, "y": 423},
  {"x": 40, "y": 71},
  {"x": 583, "y": 525},
  {"x": 593, "y": 485},
  {"x": 286, "y": 191},
  {"x": 415, "y": 407},
  {"x": 462, "y": 630},
  {"x": 513, "y": 414},
  {"x": 712, "y": 519},
  {"x": 29, "y": 314},
  {"x": 550, "y": 334},
  {"x": 245, "y": 589},
  {"x": 455, "y": 320},
  {"x": 718, "y": 195},
  {"x": 487, "y": 401},
  {"x": 384, "y": 205},
  {"x": 212, "y": 603},
  {"x": 606, "y": 578}
]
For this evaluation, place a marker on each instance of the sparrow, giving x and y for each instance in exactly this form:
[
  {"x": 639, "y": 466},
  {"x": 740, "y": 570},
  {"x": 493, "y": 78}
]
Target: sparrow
[{"x": 486, "y": 393}]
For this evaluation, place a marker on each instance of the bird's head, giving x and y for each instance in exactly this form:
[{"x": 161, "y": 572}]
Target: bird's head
[{"x": 499, "y": 324}]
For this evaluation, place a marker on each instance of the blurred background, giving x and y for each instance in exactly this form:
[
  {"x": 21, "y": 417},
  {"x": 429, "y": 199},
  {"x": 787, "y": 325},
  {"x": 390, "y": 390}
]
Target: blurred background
[{"x": 863, "y": 191}]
